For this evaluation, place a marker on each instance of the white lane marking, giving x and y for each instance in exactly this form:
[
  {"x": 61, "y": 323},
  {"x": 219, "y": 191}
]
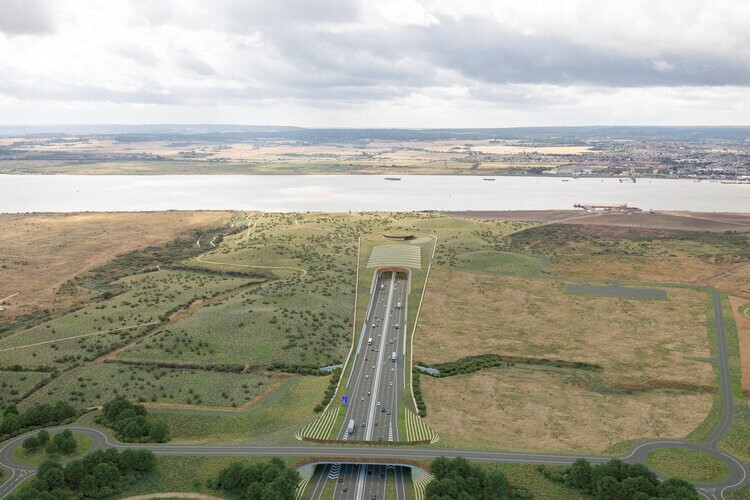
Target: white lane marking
[{"x": 378, "y": 361}]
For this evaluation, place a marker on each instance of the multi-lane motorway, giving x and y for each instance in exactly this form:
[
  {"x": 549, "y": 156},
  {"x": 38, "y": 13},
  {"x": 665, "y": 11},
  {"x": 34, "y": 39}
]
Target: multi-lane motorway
[{"x": 374, "y": 389}]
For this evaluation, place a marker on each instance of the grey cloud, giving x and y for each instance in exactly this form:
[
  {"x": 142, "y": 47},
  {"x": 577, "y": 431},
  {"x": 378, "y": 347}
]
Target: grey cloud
[
  {"x": 192, "y": 63},
  {"x": 26, "y": 17}
]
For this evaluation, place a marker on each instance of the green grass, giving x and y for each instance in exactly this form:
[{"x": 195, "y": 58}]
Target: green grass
[
  {"x": 95, "y": 384},
  {"x": 528, "y": 476},
  {"x": 37, "y": 457},
  {"x": 276, "y": 424},
  {"x": 85, "y": 334},
  {"x": 15, "y": 385},
  {"x": 503, "y": 263},
  {"x": 736, "y": 442},
  {"x": 690, "y": 465},
  {"x": 188, "y": 474}
]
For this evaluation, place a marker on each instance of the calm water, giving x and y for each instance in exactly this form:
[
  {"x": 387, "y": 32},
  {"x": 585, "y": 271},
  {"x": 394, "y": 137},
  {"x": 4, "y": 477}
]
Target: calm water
[{"x": 74, "y": 193}]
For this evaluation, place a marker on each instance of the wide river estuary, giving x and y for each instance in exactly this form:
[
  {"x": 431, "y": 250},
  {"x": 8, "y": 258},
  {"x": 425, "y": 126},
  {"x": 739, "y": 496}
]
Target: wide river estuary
[{"x": 341, "y": 193}]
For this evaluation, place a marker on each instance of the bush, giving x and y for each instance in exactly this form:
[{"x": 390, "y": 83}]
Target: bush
[
  {"x": 42, "y": 415},
  {"x": 330, "y": 391},
  {"x": 101, "y": 474},
  {"x": 131, "y": 424},
  {"x": 417, "y": 388},
  {"x": 617, "y": 479},
  {"x": 272, "y": 479},
  {"x": 458, "y": 478}
]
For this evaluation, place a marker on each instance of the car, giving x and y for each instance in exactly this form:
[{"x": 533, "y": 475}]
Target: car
[
  {"x": 363, "y": 424},
  {"x": 376, "y": 424},
  {"x": 373, "y": 367},
  {"x": 346, "y": 489},
  {"x": 368, "y": 393},
  {"x": 382, "y": 409},
  {"x": 341, "y": 479},
  {"x": 383, "y": 363},
  {"x": 382, "y": 475},
  {"x": 363, "y": 398},
  {"x": 391, "y": 369},
  {"x": 367, "y": 375},
  {"x": 391, "y": 384},
  {"x": 373, "y": 497},
  {"x": 380, "y": 438},
  {"x": 388, "y": 412},
  {"x": 365, "y": 359},
  {"x": 378, "y": 403},
  {"x": 395, "y": 326}
]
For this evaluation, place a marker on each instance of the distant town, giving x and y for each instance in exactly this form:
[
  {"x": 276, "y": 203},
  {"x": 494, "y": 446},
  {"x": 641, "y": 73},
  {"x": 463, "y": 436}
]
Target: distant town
[{"x": 627, "y": 152}]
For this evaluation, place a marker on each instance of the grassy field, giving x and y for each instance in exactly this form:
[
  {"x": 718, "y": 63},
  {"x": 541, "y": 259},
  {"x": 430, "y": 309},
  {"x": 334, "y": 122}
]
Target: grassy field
[
  {"x": 274, "y": 424},
  {"x": 15, "y": 385},
  {"x": 95, "y": 384},
  {"x": 638, "y": 254},
  {"x": 37, "y": 457},
  {"x": 543, "y": 409},
  {"x": 41, "y": 252},
  {"x": 690, "y": 465},
  {"x": 91, "y": 331},
  {"x": 639, "y": 344},
  {"x": 171, "y": 473}
]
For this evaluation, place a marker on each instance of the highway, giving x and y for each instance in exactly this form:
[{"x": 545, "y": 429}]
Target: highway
[{"x": 738, "y": 472}]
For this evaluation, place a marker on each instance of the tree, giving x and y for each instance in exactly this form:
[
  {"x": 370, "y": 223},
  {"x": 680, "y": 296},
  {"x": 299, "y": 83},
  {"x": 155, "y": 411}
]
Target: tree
[
  {"x": 50, "y": 475},
  {"x": 159, "y": 432},
  {"x": 43, "y": 437},
  {"x": 30, "y": 444},
  {"x": 580, "y": 474}
]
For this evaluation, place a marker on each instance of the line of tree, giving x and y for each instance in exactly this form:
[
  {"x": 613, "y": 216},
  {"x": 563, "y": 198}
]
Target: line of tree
[
  {"x": 101, "y": 474},
  {"x": 62, "y": 444},
  {"x": 618, "y": 480},
  {"x": 15, "y": 422},
  {"x": 417, "y": 389},
  {"x": 330, "y": 390},
  {"x": 459, "y": 479},
  {"x": 259, "y": 481},
  {"x": 131, "y": 423},
  {"x": 471, "y": 364}
]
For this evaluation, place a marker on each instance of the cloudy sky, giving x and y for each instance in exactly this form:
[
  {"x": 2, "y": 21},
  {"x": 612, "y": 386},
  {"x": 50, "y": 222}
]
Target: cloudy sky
[{"x": 375, "y": 63}]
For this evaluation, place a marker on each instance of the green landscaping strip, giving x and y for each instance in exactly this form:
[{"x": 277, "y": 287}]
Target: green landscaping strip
[{"x": 690, "y": 465}]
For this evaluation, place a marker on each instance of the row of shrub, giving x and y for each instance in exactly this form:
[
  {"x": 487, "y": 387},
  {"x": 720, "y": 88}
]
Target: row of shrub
[
  {"x": 131, "y": 424},
  {"x": 292, "y": 368},
  {"x": 101, "y": 474},
  {"x": 417, "y": 389},
  {"x": 471, "y": 364},
  {"x": 224, "y": 368},
  {"x": 41, "y": 415},
  {"x": 330, "y": 390},
  {"x": 617, "y": 479}
]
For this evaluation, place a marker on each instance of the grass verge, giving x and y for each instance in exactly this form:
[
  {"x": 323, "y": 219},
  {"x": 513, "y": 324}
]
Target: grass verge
[
  {"x": 690, "y": 465},
  {"x": 37, "y": 457}
]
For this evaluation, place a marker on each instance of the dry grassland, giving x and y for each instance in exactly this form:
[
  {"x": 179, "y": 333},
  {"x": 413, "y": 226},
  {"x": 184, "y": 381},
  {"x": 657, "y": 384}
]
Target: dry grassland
[
  {"x": 743, "y": 333},
  {"x": 42, "y": 251},
  {"x": 642, "y": 344},
  {"x": 538, "y": 410}
]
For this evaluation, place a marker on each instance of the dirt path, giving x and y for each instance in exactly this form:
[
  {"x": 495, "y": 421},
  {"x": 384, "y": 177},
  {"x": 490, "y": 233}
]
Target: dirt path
[{"x": 743, "y": 333}]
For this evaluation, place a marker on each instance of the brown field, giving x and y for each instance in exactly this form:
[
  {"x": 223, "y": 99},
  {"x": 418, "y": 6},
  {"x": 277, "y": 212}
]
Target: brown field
[
  {"x": 686, "y": 221},
  {"x": 743, "y": 333},
  {"x": 639, "y": 343},
  {"x": 42, "y": 251},
  {"x": 540, "y": 410}
]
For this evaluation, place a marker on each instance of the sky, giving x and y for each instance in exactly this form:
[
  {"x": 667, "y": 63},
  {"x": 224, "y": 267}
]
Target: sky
[{"x": 375, "y": 63}]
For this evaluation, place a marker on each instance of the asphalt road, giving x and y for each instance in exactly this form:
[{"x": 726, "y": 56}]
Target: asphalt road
[{"x": 738, "y": 472}]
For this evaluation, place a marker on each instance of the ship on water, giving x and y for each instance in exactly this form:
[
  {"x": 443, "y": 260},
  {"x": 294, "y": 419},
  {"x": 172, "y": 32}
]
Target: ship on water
[{"x": 393, "y": 178}]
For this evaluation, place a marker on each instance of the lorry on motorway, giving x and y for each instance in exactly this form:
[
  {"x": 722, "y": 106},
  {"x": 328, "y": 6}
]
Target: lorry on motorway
[
  {"x": 369, "y": 341},
  {"x": 350, "y": 428},
  {"x": 393, "y": 356}
]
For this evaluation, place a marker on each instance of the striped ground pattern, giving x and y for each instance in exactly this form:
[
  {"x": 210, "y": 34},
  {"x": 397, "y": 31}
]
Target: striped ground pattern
[
  {"x": 395, "y": 256},
  {"x": 321, "y": 427},
  {"x": 417, "y": 430},
  {"x": 305, "y": 474},
  {"x": 421, "y": 479}
]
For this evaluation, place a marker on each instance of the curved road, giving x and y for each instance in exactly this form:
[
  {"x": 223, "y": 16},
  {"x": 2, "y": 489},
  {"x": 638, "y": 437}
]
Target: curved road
[{"x": 738, "y": 472}]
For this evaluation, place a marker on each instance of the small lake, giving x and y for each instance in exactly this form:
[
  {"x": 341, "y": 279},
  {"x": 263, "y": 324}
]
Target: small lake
[{"x": 341, "y": 193}]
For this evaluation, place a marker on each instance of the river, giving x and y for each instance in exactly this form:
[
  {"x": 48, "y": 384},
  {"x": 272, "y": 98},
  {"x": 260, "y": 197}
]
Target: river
[{"x": 341, "y": 193}]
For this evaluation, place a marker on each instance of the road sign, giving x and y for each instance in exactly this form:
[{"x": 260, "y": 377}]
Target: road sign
[{"x": 345, "y": 399}]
